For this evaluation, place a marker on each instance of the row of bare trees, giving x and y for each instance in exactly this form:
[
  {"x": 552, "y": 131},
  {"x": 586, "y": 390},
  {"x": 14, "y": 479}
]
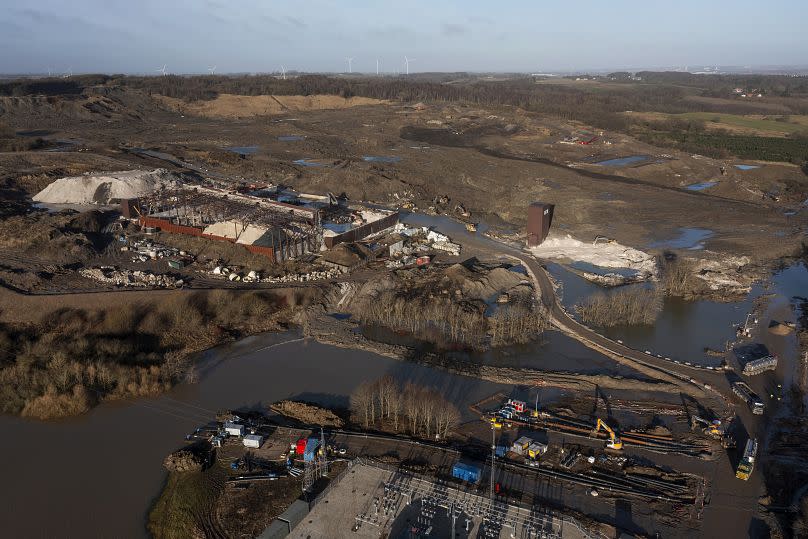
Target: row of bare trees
[
  {"x": 629, "y": 306},
  {"x": 415, "y": 409},
  {"x": 517, "y": 322},
  {"x": 455, "y": 322}
]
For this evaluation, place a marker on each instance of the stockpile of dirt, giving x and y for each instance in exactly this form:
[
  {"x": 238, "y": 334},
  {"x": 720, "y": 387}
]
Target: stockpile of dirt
[
  {"x": 307, "y": 413},
  {"x": 185, "y": 460},
  {"x": 105, "y": 188}
]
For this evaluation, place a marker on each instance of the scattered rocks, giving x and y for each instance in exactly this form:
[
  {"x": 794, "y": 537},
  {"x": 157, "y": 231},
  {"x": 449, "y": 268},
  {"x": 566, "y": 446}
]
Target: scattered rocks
[{"x": 129, "y": 278}]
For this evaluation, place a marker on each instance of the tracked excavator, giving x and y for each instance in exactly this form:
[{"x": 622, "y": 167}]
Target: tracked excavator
[
  {"x": 614, "y": 441},
  {"x": 716, "y": 429}
]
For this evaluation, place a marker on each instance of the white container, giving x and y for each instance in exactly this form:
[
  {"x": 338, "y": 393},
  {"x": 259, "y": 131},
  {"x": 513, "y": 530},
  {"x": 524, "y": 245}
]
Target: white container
[
  {"x": 253, "y": 440},
  {"x": 234, "y": 429}
]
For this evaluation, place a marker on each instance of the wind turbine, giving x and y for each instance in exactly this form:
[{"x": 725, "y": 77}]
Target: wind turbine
[
  {"x": 283, "y": 72},
  {"x": 68, "y": 74},
  {"x": 350, "y": 64},
  {"x": 50, "y": 71},
  {"x": 162, "y": 70},
  {"x": 212, "y": 70},
  {"x": 377, "y": 66},
  {"x": 407, "y": 63}
]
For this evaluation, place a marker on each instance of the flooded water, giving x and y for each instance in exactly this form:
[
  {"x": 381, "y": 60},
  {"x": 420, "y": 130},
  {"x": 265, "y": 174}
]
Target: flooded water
[
  {"x": 701, "y": 186},
  {"x": 685, "y": 328},
  {"x": 746, "y": 167},
  {"x": 623, "y": 161},
  {"x": 381, "y": 158},
  {"x": 688, "y": 238},
  {"x": 97, "y": 475},
  {"x": 243, "y": 150},
  {"x": 291, "y": 138}
]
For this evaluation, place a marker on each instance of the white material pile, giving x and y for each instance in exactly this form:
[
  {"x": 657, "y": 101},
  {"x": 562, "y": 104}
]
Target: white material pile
[
  {"x": 105, "y": 188},
  {"x": 606, "y": 255}
]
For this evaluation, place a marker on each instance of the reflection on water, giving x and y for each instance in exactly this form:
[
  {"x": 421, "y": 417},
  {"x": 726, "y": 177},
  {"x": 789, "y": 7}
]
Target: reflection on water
[
  {"x": 108, "y": 463},
  {"x": 623, "y": 161},
  {"x": 381, "y": 159},
  {"x": 688, "y": 238},
  {"x": 685, "y": 328},
  {"x": 701, "y": 186}
]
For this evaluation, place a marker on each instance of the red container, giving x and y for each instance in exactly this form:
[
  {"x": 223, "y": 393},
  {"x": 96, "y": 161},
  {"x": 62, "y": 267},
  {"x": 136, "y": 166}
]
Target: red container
[
  {"x": 300, "y": 448},
  {"x": 422, "y": 261}
]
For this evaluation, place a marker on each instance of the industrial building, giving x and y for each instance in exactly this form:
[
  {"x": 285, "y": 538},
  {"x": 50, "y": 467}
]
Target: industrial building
[
  {"x": 275, "y": 222},
  {"x": 539, "y": 220}
]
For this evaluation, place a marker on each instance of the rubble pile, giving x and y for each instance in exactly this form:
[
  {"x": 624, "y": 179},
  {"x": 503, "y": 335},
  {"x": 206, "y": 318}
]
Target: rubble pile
[
  {"x": 130, "y": 278},
  {"x": 255, "y": 277}
]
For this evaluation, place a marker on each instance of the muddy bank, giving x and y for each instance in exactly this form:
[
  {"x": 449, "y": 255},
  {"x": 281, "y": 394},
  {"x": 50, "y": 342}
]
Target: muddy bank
[{"x": 345, "y": 334}]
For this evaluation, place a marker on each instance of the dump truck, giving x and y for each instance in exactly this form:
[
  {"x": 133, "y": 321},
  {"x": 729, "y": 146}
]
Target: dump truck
[{"x": 747, "y": 464}]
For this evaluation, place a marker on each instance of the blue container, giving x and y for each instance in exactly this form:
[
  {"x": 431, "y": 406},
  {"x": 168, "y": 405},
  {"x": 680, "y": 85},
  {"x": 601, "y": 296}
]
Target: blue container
[
  {"x": 312, "y": 444},
  {"x": 500, "y": 451},
  {"x": 466, "y": 472}
]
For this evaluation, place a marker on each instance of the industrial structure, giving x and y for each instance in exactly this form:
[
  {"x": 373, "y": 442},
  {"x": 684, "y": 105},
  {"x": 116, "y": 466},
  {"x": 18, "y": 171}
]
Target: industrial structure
[
  {"x": 271, "y": 221},
  {"x": 539, "y": 220}
]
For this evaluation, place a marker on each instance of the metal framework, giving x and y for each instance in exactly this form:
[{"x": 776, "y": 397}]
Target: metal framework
[{"x": 289, "y": 227}]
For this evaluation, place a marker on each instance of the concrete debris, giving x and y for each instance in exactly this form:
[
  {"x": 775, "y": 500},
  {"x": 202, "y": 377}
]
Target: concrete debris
[{"x": 129, "y": 278}]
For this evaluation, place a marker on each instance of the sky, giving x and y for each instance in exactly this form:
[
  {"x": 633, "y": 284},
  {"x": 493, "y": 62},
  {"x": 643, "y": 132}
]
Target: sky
[{"x": 126, "y": 36}]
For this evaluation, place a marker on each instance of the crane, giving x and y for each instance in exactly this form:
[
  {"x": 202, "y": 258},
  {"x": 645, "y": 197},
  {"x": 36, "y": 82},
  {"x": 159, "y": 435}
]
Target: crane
[{"x": 614, "y": 441}]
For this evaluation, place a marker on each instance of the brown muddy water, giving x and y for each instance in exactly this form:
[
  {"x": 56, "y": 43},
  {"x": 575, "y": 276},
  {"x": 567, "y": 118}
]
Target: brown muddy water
[{"x": 97, "y": 475}]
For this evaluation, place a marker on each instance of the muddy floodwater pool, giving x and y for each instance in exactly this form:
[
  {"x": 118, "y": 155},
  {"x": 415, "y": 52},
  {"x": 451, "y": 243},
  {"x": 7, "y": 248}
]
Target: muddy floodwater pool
[
  {"x": 623, "y": 161},
  {"x": 96, "y": 475},
  {"x": 243, "y": 150},
  {"x": 701, "y": 186},
  {"x": 291, "y": 138},
  {"x": 685, "y": 329},
  {"x": 381, "y": 158},
  {"x": 688, "y": 238}
]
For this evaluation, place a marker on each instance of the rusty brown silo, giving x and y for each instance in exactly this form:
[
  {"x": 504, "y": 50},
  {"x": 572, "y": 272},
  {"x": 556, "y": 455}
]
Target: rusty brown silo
[{"x": 539, "y": 219}]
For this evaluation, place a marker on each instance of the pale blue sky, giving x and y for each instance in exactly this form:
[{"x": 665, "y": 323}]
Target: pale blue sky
[{"x": 124, "y": 36}]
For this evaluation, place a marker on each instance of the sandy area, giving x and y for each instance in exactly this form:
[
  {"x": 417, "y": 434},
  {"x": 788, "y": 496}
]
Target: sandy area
[{"x": 241, "y": 106}]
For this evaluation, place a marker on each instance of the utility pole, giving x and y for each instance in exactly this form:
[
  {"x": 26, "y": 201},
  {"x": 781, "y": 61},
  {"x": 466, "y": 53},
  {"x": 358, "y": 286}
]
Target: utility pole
[
  {"x": 493, "y": 456},
  {"x": 324, "y": 467}
]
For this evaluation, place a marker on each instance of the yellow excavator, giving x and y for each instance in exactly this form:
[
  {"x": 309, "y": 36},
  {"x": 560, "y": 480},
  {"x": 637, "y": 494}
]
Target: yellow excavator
[{"x": 614, "y": 441}]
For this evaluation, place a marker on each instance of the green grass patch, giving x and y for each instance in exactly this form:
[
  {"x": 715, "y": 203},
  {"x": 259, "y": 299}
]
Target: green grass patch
[
  {"x": 724, "y": 146},
  {"x": 186, "y": 503},
  {"x": 790, "y": 124}
]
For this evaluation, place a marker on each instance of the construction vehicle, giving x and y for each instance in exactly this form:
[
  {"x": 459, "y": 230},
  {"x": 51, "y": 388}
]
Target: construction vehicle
[
  {"x": 712, "y": 428},
  {"x": 751, "y": 398},
  {"x": 715, "y": 429},
  {"x": 747, "y": 464},
  {"x": 471, "y": 227},
  {"x": 614, "y": 441}
]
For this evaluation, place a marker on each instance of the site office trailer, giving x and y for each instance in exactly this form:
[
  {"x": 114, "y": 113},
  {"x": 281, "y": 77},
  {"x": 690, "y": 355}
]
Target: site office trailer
[{"x": 539, "y": 219}]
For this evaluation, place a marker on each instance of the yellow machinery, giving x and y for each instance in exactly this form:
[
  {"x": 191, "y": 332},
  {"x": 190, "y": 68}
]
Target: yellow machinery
[
  {"x": 471, "y": 227},
  {"x": 614, "y": 441},
  {"x": 496, "y": 422}
]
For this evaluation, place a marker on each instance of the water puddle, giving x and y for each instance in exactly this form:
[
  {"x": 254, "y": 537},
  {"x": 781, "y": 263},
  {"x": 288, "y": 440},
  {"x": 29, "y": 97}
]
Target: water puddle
[
  {"x": 243, "y": 150},
  {"x": 312, "y": 163},
  {"x": 746, "y": 167},
  {"x": 291, "y": 138},
  {"x": 381, "y": 158},
  {"x": 701, "y": 186},
  {"x": 623, "y": 161},
  {"x": 689, "y": 238}
]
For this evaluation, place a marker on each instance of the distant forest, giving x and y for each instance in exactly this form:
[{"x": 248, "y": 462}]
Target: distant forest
[{"x": 600, "y": 106}]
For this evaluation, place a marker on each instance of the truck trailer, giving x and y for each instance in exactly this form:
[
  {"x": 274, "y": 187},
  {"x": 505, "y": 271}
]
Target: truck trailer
[{"x": 747, "y": 464}]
